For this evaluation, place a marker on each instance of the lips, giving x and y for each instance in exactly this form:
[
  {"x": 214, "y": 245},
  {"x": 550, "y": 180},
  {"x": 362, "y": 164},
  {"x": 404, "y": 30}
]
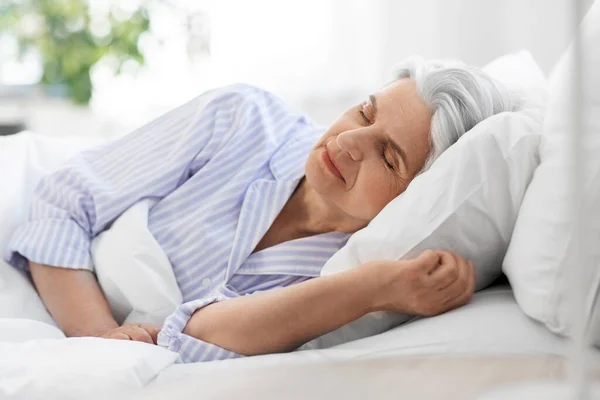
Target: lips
[{"x": 330, "y": 165}]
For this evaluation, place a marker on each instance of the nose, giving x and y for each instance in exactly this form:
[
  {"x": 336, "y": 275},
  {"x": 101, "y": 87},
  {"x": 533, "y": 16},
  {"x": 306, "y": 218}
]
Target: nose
[{"x": 349, "y": 142}]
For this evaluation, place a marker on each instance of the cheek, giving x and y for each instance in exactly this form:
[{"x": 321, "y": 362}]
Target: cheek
[{"x": 372, "y": 192}]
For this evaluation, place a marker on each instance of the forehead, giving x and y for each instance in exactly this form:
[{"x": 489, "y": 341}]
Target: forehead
[
  {"x": 400, "y": 102},
  {"x": 405, "y": 117}
]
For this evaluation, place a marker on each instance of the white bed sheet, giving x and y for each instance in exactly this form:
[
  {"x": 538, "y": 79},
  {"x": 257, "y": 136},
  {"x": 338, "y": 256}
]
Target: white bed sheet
[{"x": 492, "y": 323}]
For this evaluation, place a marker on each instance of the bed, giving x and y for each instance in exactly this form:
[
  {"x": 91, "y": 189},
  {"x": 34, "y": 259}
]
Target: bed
[
  {"x": 38, "y": 362},
  {"x": 485, "y": 343},
  {"x": 460, "y": 354},
  {"x": 490, "y": 333}
]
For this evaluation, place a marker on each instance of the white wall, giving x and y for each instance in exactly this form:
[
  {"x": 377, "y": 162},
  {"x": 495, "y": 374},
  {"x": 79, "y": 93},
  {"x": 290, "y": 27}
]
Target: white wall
[
  {"x": 475, "y": 31},
  {"x": 321, "y": 56}
]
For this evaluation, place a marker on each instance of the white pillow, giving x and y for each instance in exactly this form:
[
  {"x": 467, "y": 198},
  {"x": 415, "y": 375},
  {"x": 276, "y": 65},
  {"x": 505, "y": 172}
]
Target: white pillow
[
  {"x": 18, "y": 330},
  {"x": 24, "y": 159},
  {"x": 133, "y": 270},
  {"x": 78, "y": 368},
  {"x": 544, "y": 250},
  {"x": 520, "y": 73},
  {"x": 467, "y": 202}
]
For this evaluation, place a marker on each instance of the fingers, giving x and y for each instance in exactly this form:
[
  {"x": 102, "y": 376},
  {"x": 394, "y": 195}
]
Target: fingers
[
  {"x": 432, "y": 283},
  {"x": 463, "y": 289},
  {"x": 119, "y": 336},
  {"x": 152, "y": 331},
  {"x": 428, "y": 261},
  {"x": 460, "y": 285},
  {"x": 454, "y": 280},
  {"x": 448, "y": 271},
  {"x": 138, "y": 334}
]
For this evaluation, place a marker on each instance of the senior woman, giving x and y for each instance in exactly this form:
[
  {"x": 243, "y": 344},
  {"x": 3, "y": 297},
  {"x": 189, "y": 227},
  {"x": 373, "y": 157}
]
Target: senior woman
[{"x": 249, "y": 196}]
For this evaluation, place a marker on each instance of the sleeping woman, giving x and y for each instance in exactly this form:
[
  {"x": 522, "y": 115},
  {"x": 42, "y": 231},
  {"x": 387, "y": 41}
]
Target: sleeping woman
[{"x": 249, "y": 196}]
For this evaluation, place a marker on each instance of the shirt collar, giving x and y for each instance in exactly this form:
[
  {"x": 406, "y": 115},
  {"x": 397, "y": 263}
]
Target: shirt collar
[{"x": 300, "y": 257}]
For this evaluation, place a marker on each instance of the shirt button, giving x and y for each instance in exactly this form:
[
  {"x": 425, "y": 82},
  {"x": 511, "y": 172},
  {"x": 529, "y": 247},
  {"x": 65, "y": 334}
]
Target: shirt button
[{"x": 206, "y": 283}]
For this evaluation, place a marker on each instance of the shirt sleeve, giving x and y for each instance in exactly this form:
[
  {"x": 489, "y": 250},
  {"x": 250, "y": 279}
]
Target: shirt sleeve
[
  {"x": 73, "y": 204},
  {"x": 189, "y": 348}
]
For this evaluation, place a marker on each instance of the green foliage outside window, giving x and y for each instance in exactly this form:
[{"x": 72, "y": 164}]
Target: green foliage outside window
[{"x": 63, "y": 33}]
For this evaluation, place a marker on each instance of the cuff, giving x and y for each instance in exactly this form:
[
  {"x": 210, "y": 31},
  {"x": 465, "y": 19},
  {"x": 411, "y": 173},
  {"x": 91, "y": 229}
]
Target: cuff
[
  {"x": 189, "y": 348},
  {"x": 60, "y": 243}
]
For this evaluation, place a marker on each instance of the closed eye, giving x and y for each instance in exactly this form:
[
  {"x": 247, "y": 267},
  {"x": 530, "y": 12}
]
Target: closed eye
[
  {"x": 364, "y": 116},
  {"x": 388, "y": 164}
]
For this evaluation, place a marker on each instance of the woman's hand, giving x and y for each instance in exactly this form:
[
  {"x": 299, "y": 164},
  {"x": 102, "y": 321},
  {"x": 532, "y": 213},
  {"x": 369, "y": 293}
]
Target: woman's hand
[
  {"x": 431, "y": 284},
  {"x": 138, "y": 332}
]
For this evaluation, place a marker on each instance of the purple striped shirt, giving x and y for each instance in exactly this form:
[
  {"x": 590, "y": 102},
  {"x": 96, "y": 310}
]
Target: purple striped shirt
[{"x": 221, "y": 167}]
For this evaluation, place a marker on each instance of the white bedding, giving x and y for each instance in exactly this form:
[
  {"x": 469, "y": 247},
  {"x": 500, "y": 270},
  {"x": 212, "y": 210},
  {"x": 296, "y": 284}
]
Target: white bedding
[
  {"x": 73, "y": 368},
  {"x": 491, "y": 323},
  {"x": 37, "y": 362}
]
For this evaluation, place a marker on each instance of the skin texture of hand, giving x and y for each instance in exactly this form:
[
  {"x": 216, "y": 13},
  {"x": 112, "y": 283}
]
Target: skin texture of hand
[
  {"x": 138, "y": 332},
  {"x": 431, "y": 284}
]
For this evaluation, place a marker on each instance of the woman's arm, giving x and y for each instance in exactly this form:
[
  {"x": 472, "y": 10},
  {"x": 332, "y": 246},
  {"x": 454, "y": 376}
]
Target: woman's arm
[
  {"x": 73, "y": 204},
  {"x": 284, "y": 319},
  {"x": 74, "y": 299},
  {"x": 79, "y": 307}
]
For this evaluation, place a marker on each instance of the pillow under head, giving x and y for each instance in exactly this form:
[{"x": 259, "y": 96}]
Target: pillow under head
[{"x": 467, "y": 201}]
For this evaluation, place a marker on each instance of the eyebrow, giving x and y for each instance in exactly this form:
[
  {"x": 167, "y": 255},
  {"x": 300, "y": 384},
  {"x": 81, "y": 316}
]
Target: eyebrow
[
  {"x": 397, "y": 149},
  {"x": 373, "y": 100}
]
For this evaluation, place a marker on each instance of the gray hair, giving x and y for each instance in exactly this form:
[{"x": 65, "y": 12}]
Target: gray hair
[{"x": 459, "y": 96}]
